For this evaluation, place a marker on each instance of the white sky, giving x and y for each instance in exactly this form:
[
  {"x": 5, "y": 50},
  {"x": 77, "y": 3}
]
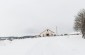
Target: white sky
[{"x": 24, "y": 17}]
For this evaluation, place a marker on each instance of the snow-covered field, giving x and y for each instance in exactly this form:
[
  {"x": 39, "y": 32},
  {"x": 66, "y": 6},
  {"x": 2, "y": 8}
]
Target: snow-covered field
[{"x": 59, "y": 45}]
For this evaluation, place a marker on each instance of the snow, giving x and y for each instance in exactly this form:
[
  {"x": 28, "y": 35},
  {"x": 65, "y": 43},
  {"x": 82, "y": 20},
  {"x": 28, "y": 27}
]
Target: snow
[
  {"x": 76, "y": 33},
  {"x": 58, "y": 45}
]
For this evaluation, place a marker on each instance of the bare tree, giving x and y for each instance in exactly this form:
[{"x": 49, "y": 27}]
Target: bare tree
[{"x": 79, "y": 24}]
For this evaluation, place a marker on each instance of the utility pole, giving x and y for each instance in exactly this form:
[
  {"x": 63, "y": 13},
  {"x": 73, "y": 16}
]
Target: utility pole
[{"x": 56, "y": 30}]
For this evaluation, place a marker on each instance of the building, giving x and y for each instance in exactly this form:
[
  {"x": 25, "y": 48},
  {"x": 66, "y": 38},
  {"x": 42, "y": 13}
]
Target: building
[{"x": 48, "y": 33}]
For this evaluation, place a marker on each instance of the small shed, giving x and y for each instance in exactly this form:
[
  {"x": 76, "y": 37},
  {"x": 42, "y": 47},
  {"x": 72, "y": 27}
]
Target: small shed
[{"x": 48, "y": 33}]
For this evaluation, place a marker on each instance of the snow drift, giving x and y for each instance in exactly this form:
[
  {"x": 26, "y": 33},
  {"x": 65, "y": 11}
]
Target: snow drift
[{"x": 58, "y": 45}]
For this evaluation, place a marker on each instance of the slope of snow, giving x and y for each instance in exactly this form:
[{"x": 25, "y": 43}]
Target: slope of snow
[{"x": 59, "y": 45}]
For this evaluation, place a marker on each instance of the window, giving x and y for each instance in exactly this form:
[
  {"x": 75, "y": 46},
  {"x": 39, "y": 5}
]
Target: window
[
  {"x": 43, "y": 35},
  {"x": 47, "y": 34}
]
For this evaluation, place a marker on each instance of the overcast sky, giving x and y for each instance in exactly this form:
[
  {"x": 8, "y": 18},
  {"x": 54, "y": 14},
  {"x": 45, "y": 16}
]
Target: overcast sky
[{"x": 24, "y": 17}]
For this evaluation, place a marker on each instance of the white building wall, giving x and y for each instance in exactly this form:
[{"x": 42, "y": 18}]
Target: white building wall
[{"x": 47, "y": 33}]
